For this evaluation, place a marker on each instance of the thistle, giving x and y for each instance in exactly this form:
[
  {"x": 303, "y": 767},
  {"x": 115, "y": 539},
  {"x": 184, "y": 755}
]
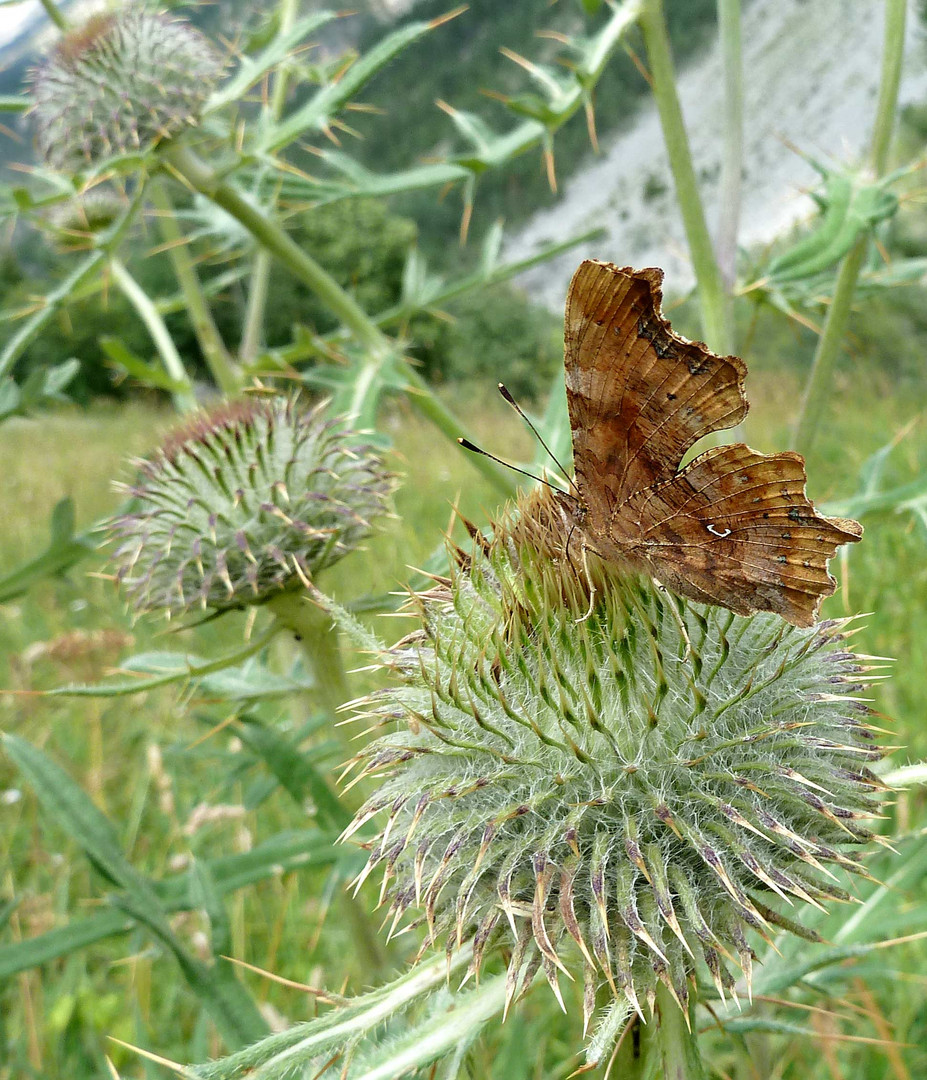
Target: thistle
[
  {"x": 121, "y": 83},
  {"x": 606, "y": 777},
  {"x": 244, "y": 503}
]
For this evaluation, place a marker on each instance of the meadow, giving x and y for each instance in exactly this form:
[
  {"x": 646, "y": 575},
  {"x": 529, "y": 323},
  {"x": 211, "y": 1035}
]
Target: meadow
[
  {"x": 163, "y": 777},
  {"x": 576, "y": 747}
]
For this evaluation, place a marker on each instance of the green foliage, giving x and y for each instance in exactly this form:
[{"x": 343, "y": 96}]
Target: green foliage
[
  {"x": 457, "y": 67},
  {"x": 485, "y": 339}
]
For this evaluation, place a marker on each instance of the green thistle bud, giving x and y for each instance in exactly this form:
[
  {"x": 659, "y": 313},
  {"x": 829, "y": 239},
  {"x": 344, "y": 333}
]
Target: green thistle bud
[
  {"x": 120, "y": 83},
  {"x": 76, "y": 220},
  {"x": 243, "y": 503},
  {"x": 597, "y": 770}
]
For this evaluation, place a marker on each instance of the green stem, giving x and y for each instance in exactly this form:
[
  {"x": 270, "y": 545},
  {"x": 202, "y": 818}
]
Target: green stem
[
  {"x": 107, "y": 243},
  {"x": 217, "y": 357},
  {"x": 715, "y": 321},
  {"x": 732, "y": 157},
  {"x": 824, "y": 364},
  {"x": 56, "y": 16},
  {"x": 272, "y": 237},
  {"x": 318, "y": 640},
  {"x": 260, "y": 270},
  {"x": 892, "y": 60},
  {"x": 184, "y": 399},
  {"x": 672, "y": 1039}
]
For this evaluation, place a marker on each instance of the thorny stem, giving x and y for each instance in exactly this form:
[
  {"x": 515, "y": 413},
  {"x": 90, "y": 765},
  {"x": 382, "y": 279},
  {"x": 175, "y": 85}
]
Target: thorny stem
[
  {"x": 107, "y": 243},
  {"x": 215, "y": 354},
  {"x": 715, "y": 321},
  {"x": 828, "y": 349},
  {"x": 184, "y": 399},
  {"x": 380, "y": 349},
  {"x": 260, "y": 268}
]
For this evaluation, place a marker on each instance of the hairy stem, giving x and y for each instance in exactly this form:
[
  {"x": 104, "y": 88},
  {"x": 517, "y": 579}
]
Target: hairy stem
[
  {"x": 318, "y": 640},
  {"x": 715, "y": 320},
  {"x": 183, "y": 396},
  {"x": 217, "y": 357},
  {"x": 818, "y": 388}
]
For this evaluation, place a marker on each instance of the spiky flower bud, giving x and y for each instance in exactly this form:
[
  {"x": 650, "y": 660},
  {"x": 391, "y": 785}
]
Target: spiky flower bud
[
  {"x": 605, "y": 773},
  {"x": 244, "y": 502},
  {"x": 121, "y": 82}
]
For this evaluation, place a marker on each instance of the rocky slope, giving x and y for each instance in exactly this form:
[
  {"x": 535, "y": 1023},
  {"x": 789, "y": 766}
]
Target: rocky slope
[{"x": 811, "y": 79}]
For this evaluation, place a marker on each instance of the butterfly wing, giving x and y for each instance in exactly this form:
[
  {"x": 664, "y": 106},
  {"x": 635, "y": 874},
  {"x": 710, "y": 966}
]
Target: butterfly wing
[
  {"x": 735, "y": 528},
  {"x": 639, "y": 395}
]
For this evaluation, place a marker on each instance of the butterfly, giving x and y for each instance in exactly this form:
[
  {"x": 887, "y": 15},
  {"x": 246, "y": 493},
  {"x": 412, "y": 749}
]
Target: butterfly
[{"x": 734, "y": 526}]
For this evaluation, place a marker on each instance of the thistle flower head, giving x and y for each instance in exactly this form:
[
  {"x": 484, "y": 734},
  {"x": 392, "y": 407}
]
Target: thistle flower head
[
  {"x": 603, "y": 773},
  {"x": 242, "y": 503},
  {"x": 121, "y": 82}
]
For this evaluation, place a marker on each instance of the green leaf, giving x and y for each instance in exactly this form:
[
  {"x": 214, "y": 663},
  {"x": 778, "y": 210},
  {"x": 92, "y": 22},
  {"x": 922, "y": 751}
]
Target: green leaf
[
  {"x": 64, "y": 549},
  {"x": 251, "y": 71},
  {"x": 221, "y": 676},
  {"x": 148, "y": 374},
  {"x": 320, "y": 109},
  {"x": 294, "y": 770},
  {"x": 286, "y": 851}
]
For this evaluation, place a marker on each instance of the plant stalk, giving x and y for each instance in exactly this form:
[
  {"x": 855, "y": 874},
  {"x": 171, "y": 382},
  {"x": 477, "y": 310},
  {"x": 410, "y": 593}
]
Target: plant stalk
[
  {"x": 318, "y": 640},
  {"x": 56, "y": 15},
  {"x": 673, "y": 1041},
  {"x": 183, "y": 396},
  {"x": 260, "y": 269},
  {"x": 710, "y": 287},
  {"x": 195, "y": 172},
  {"x": 732, "y": 157},
  {"x": 217, "y": 357},
  {"x": 824, "y": 364}
]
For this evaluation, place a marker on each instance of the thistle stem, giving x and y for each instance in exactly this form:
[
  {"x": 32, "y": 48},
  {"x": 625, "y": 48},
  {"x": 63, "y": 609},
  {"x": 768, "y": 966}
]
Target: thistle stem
[
  {"x": 56, "y": 16},
  {"x": 714, "y": 310},
  {"x": 732, "y": 158},
  {"x": 380, "y": 349},
  {"x": 182, "y": 395},
  {"x": 318, "y": 640},
  {"x": 217, "y": 357},
  {"x": 674, "y": 1041},
  {"x": 260, "y": 268},
  {"x": 824, "y": 364}
]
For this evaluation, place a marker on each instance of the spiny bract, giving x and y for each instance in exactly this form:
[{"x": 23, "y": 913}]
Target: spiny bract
[
  {"x": 613, "y": 766},
  {"x": 120, "y": 83},
  {"x": 244, "y": 502}
]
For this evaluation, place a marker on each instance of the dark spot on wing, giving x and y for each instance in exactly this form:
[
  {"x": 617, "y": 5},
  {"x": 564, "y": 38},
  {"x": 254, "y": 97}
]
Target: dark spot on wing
[{"x": 663, "y": 345}]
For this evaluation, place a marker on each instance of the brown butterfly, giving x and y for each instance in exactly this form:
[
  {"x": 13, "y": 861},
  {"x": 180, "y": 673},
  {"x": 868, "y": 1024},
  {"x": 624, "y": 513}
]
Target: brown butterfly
[{"x": 734, "y": 527}]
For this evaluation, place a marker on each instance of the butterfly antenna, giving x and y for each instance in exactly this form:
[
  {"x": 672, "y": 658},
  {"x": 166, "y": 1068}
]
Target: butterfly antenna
[
  {"x": 503, "y": 390},
  {"x": 467, "y": 445}
]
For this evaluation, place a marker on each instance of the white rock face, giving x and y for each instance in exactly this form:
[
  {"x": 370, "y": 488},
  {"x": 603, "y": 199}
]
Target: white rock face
[{"x": 811, "y": 74}]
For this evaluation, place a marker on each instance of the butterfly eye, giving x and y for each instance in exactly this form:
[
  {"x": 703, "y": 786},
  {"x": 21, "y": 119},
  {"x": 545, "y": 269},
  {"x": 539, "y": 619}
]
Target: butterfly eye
[{"x": 718, "y": 532}]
